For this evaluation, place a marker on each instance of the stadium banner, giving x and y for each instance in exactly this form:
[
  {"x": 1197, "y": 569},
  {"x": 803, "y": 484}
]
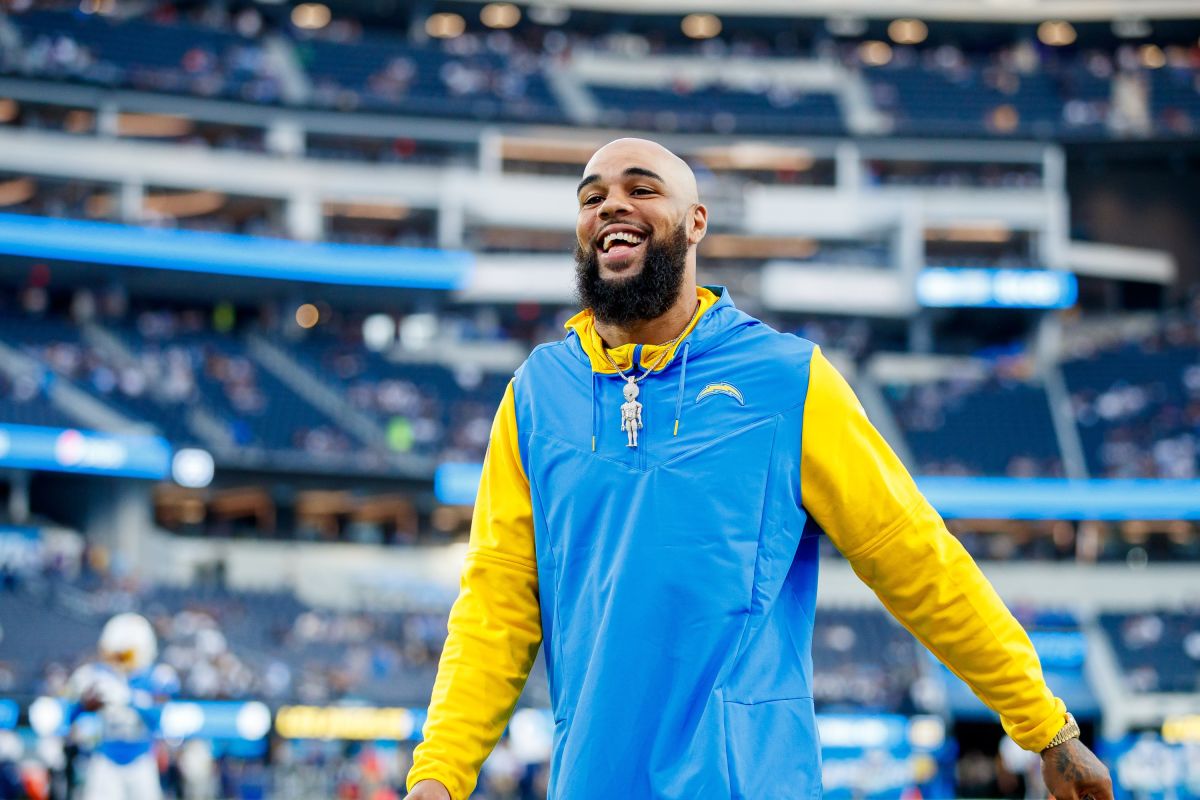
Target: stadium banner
[
  {"x": 349, "y": 723},
  {"x": 885, "y": 755},
  {"x": 109, "y": 243},
  {"x": 1146, "y": 767},
  {"x": 1062, "y": 498},
  {"x": 955, "y": 287},
  {"x": 88, "y": 452},
  {"x": 980, "y": 498},
  {"x": 215, "y": 720}
]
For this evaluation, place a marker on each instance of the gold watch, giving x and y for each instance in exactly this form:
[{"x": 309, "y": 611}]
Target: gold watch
[{"x": 1065, "y": 734}]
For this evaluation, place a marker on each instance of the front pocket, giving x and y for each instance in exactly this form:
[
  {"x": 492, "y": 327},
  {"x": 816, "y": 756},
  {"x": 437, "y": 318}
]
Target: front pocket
[{"x": 773, "y": 749}]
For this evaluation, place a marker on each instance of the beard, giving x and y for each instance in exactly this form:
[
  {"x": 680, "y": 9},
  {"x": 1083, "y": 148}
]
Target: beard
[{"x": 643, "y": 296}]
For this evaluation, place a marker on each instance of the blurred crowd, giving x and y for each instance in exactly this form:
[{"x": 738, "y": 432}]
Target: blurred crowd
[
  {"x": 219, "y": 645},
  {"x": 1159, "y": 651},
  {"x": 211, "y": 50},
  {"x": 1136, "y": 400},
  {"x": 192, "y": 373}
]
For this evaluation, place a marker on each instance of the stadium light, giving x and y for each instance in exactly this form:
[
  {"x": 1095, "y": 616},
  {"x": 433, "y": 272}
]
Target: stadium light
[
  {"x": 445, "y": 25},
  {"x": 193, "y": 468},
  {"x": 549, "y": 14},
  {"x": 700, "y": 26},
  {"x": 253, "y": 721},
  {"x": 875, "y": 53},
  {"x": 101, "y": 7},
  {"x": 311, "y": 16},
  {"x": 17, "y": 191},
  {"x": 846, "y": 25},
  {"x": 379, "y": 332},
  {"x": 183, "y": 204},
  {"x": 153, "y": 126},
  {"x": 1056, "y": 33},
  {"x": 1131, "y": 27},
  {"x": 307, "y": 316},
  {"x": 1004, "y": 118},
  {"x": 45, "y": 716},
  {"x": 500, "y": 15},
  {"x": 908, "y": 31},
  {"x": 1152, "y": 56}
]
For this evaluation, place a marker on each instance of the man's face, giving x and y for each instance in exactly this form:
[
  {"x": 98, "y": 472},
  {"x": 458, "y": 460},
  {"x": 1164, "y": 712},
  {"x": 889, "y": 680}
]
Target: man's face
[
  {"x": 638, "y": 218},
  {"x": 627, "y": 196}
]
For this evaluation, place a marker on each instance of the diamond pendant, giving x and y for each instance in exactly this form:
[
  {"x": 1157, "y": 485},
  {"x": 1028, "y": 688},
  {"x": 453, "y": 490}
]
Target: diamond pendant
[{"x": 631, "y": 412}]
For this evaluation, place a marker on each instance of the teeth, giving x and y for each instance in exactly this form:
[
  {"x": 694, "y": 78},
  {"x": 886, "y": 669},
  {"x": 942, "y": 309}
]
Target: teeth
[{"x": 623, "y": 236}]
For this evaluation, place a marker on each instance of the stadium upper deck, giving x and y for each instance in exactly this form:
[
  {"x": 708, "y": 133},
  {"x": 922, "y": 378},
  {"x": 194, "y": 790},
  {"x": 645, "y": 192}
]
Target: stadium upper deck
[{"x": 750, "y": 78}]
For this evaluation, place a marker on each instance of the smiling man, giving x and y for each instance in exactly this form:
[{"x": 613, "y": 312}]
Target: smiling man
[{"x": 672, "y": 575}]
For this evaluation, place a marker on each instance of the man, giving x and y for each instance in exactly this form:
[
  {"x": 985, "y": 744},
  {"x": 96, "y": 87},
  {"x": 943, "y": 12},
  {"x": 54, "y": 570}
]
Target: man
[
  {"x": 674, "y": 580},
  {"x": 127, "y": 693}
]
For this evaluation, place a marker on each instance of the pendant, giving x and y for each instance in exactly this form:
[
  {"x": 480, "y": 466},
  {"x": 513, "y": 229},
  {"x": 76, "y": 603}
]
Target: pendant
[{"x": 631, "y": 412}]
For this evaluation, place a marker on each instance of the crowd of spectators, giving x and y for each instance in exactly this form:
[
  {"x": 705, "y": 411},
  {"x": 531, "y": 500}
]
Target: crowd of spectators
[
  {"x": 1136, "y": 400},
  {"x": 1021, "y": 88},
  {"x": 210, "y": 54},
  {"x": 995, "y": 424},
  {"x": 1158, "y": 651},
  {"x": 165, "y": 366}
]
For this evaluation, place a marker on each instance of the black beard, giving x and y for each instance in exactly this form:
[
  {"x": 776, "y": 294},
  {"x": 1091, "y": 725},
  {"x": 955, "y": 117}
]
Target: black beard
[{"x": 641, "y": 297}]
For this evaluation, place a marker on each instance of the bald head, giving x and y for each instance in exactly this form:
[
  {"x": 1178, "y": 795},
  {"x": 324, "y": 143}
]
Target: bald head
[{"x": 643, "y": 156}]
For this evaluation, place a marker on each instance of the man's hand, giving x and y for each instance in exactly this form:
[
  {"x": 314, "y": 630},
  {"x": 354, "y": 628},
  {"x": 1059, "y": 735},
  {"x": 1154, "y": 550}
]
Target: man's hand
[
  {"x": 1072, "y": 772},
  {"x": 434, "y": 790}
]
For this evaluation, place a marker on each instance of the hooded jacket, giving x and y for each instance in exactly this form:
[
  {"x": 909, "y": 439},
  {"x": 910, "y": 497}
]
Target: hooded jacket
[{"x": 674, "y": 583}]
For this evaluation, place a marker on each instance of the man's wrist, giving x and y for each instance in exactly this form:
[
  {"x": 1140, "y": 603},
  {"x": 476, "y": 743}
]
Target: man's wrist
[{"x": 1069, "y": 731}]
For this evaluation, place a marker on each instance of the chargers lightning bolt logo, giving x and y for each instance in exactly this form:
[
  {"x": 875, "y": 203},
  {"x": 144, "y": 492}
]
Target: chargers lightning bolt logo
[{"x": 721, "y": 388}]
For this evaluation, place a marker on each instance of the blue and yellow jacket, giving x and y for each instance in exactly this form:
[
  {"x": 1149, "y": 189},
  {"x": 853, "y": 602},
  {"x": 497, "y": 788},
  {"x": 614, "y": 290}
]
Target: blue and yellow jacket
[{"x": 674, "y": 584}]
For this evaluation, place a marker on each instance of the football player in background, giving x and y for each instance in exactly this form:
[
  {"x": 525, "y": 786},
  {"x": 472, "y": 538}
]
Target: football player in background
[{"x": 126, "y": 693}]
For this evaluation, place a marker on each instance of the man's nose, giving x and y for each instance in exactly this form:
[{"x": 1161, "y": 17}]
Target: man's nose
[{"x": 613, "y": 205}]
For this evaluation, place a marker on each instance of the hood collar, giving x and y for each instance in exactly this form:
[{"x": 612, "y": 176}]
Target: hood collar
[{"x": 708, "y": 328}]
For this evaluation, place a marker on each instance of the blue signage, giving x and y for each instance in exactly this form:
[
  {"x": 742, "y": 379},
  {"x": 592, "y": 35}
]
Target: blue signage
[
  {"x": 980, "y": 498},
  {"x": 1062, "y": 498},
  {"x": 884, "y": 756},
  {"x": 951, "y": 287},
  {"x": 457, "y": 484},
  {"x": 232, "y": 254},
  {"x": 9, "y": 713},
  {"x": 89, "y": 452}
]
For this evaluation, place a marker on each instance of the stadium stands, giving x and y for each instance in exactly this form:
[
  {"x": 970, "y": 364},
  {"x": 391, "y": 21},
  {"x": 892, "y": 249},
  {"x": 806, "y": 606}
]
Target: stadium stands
[
  {"x": 862, "y": 660},
  {"x": 387, "y": 75},
  {"x": 721, "y": 110},
  {"x": 1013, "y": 90},
  {"x": 1137, "y": 404},
  {"x": 178, "y": 57},
  {"x": 969, "y": 427},
  {"x": 426, "y": 408},
  {"x": 1158, "y": 651}
]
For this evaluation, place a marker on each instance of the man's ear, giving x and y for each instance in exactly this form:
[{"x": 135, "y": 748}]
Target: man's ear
[{"x": 697, "y": 223}]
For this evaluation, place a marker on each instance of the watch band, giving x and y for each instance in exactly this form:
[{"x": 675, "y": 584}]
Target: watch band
[{"x": 1065, "y": 734}]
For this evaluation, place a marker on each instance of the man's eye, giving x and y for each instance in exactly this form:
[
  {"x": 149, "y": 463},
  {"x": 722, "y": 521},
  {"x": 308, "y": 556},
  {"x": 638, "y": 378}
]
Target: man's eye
[{"x": 590, "y": 199}]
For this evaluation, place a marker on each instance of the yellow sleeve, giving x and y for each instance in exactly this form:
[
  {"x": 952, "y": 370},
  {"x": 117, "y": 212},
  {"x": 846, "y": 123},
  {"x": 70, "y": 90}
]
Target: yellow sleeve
[
  {"x": 495, "y": 625},
  {"x": 857, "y": 490}
]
